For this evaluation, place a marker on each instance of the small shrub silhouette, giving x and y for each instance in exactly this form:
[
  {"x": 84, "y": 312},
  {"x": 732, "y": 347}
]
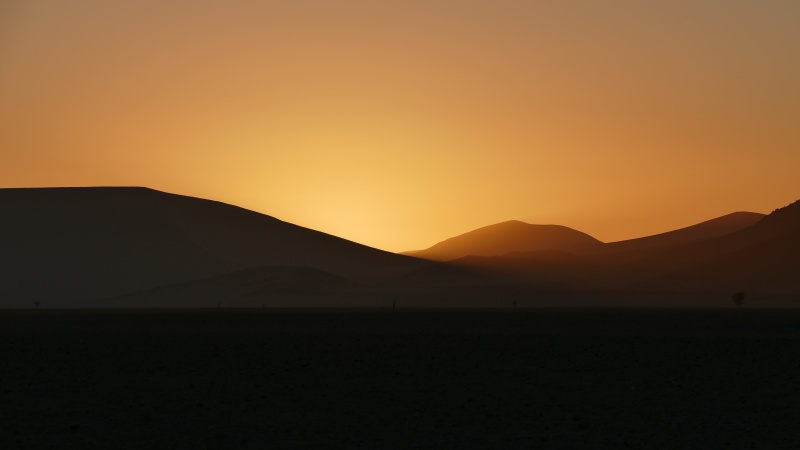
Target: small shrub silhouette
[{"x": 738, "y": 298}]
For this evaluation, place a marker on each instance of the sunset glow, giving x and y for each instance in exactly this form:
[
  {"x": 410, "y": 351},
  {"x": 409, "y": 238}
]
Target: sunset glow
[{"x": 399, "y": 124}]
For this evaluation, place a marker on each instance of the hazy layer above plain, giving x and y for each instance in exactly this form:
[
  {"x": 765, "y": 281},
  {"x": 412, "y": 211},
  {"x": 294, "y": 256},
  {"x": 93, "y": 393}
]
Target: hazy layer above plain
[{"x": 259, "y": 287}]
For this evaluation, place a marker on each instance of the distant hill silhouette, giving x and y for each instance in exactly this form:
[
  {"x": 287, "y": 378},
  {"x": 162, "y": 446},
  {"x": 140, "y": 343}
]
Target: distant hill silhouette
[
  {"x": 719, "y": 226},
  {"x": 761, "y": 259},
  {"x": 737, "y": 252},
  {"x": 70, "y": 246},
  {"x": 533, "y": 253},
  {"x": 505, "y": 237}
]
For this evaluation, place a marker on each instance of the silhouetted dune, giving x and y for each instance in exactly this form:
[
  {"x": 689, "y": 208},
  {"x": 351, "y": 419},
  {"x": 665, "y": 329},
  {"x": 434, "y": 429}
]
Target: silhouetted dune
[
  {"x": 719, "y": 226},
  {"x": 737, "y": 252},
  {"x": 782, "y": 221},
  {"x": 526, "y": 239},
  {"x": 75, "y": 246},
  {"x": 763, "y": 259},
  {"x": 505, "y": 237},
  {"x": 584, "y": 265}
]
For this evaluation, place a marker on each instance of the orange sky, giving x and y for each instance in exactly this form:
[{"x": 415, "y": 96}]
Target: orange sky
[{"x": 400, "y": 123}]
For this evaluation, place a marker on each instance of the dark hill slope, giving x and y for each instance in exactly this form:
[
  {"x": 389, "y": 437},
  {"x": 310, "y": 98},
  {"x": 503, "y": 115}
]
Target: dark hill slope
[
  {"x": 763, "y": 258},
  {"x": 70, "y": 246}
]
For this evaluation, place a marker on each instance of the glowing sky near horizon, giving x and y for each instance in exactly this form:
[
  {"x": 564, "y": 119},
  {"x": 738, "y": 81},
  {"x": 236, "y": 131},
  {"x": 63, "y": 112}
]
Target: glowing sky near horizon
[{"x": 401, "y": 123}]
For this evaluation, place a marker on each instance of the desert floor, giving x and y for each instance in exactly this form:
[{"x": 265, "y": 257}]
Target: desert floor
[{"x": 413, "y": 379}]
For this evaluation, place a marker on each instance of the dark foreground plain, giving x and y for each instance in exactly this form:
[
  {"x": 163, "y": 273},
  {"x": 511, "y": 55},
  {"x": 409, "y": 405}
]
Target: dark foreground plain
[{"x": 561, "y": 379}]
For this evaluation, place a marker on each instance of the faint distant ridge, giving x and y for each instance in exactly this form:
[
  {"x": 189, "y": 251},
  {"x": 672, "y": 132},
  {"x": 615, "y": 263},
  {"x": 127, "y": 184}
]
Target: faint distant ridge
[
  {"x": 505, "y": 237},
  {"x": 720, "y": 226}
]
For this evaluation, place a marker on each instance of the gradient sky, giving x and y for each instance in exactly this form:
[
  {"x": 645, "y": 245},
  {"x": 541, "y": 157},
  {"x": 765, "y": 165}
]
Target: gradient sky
[{"x": 400, "y": 123}]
